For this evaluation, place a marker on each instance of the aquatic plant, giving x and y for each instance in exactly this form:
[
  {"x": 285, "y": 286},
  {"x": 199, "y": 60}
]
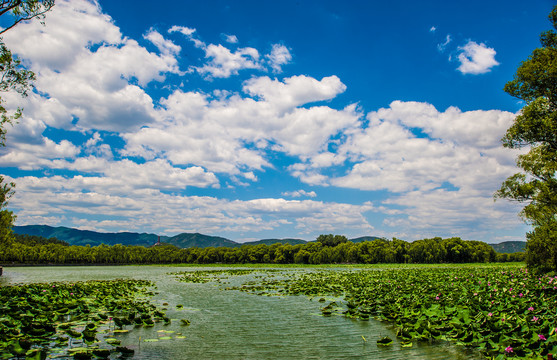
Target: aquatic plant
[
  {"x": 40, "y": 318},
  {"x": 499, "y": 311}
]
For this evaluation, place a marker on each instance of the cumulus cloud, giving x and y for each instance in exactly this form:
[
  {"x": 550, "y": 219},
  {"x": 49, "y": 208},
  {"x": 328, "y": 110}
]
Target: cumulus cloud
[
  {"x": 158, "y": 212},
  {"x": 222, "y": 62},
  {"x": 299, "y": 193},
  {"x": 294, "y": 91},
  {"x": 270, "y": 121},
  {"x": 89, "y": 72},
  {"x": 460, "y": 149},
  {"x": 476, "y": 58},
  {"x": 136, "y": 155},
  {"x": 279, "y": 56},
  {"x": 165, "y": 46}
]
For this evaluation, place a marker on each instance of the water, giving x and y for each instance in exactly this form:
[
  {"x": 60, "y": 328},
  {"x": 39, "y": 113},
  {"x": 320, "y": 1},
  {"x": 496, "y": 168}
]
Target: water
[{"x": 236, "y": 325}]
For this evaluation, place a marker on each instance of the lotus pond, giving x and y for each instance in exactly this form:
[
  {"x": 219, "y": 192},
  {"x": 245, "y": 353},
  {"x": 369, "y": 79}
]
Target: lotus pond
[{"x": 158, "y": 312}]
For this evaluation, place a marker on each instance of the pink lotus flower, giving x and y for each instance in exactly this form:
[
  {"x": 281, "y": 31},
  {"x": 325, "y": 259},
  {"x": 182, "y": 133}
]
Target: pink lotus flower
[{"x": 542, "y": 337}]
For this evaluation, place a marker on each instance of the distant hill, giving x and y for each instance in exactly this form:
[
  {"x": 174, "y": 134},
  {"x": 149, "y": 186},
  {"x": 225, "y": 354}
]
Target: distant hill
[
  {"x": 186, "y": 240},
  {"x": 86, "y": 237},
  {"x": 274, "y": 241},
  {"x": 365, "y": 238},
  {"x": 509, "y": 247}
]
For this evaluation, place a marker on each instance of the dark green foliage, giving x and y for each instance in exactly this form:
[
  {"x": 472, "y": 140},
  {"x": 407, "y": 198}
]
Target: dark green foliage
[
  {"x": 38, "y": 318},
  {"x": 33, "y": 240},
  {"x": 436, "y": 250},
  {"x": 536, "y": 127},
  {"x": 331, "y": 240},
  {"x": 277, "y": 241}
]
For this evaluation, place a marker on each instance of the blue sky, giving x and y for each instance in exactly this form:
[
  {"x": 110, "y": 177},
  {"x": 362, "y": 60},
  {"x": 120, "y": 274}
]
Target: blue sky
[{"x": 250, "y": 119}]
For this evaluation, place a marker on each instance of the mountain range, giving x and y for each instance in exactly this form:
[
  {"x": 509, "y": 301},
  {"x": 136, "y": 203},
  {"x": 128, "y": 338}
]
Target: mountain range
[
  {"x": 184, "y": 240},
  {"x": 93, "y": 238}
]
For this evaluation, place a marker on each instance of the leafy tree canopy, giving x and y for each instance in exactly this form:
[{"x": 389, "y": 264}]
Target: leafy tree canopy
[
  {"x": 331, "y": 240},
  {"x": 535, "y": 82}
]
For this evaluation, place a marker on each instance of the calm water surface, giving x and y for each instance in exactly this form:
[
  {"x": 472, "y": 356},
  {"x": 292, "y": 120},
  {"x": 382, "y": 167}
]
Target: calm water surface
[{"x": 235, "y": 325}]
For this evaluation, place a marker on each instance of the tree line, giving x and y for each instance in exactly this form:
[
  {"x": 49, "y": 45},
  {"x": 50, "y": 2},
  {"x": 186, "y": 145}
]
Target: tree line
[{"x": 328, "y": 249}]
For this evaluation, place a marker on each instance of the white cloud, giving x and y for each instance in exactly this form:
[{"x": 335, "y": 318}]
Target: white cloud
[
  {"x": 462, "y": 213},
  {"x": 279, "y": 56},
  {"x": 476, "y": 58},
  {"x": 299, "y": 193},
  {"x": 231, "y": 39},
  {"x": 272, "y": 120},
  {"x": 165, "y": 46},
  {"x": 154, "y": 211},
  {"x": 87, "y": 69},
  {"x": 71, "y": 27},
  {"x": 223, "y": 63},
  {"x": 99, "y": 82},
  {"x": 460, "y": 149},
  {"x": 439, "y": 168},
  {"x": 441, "y": 47},
  {"x": 293, "y": 91},
  {"x": 182, "y": 29}
]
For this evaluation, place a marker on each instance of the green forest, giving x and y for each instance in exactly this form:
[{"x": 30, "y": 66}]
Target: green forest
[{"x": 328, "y": 249}]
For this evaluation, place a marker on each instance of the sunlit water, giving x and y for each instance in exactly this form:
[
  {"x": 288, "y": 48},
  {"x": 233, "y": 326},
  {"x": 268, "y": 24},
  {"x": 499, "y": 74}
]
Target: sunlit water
[{"x": 235, "y": 325}]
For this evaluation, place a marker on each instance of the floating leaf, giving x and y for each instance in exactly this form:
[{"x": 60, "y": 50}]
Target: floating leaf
[
  {"x": 113, "y": 341},
  {"x": 385, "y": 341}
]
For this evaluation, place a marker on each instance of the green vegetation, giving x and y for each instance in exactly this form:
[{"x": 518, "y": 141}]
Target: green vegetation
[
  {"x": 501, "y": 312},
  {"x": 381, "y": 251},
  {"x": 33, "y": 240},
  {"x": 536, "y": 128},
  {"x": 68, "y": 319}
]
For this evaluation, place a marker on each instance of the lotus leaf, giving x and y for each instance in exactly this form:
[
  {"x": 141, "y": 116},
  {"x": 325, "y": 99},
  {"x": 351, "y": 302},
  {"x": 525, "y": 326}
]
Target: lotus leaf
[
  {"x": 385, "y": 341},
  {"x": 113, "y": 341},
  {"x": 483, "y": 307}
]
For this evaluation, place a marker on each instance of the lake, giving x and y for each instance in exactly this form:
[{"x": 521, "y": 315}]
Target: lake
[{"x": 230, "y": 324}]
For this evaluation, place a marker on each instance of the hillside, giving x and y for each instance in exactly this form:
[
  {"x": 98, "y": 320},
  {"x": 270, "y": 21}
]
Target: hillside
[
  {"x": 186, "y": 240},
  {"x": 364, "y": 238},
  {"x": 509, "y": 246},
  {"x": 86, "y": 237},
  {"x": 274, "y": 241}
]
